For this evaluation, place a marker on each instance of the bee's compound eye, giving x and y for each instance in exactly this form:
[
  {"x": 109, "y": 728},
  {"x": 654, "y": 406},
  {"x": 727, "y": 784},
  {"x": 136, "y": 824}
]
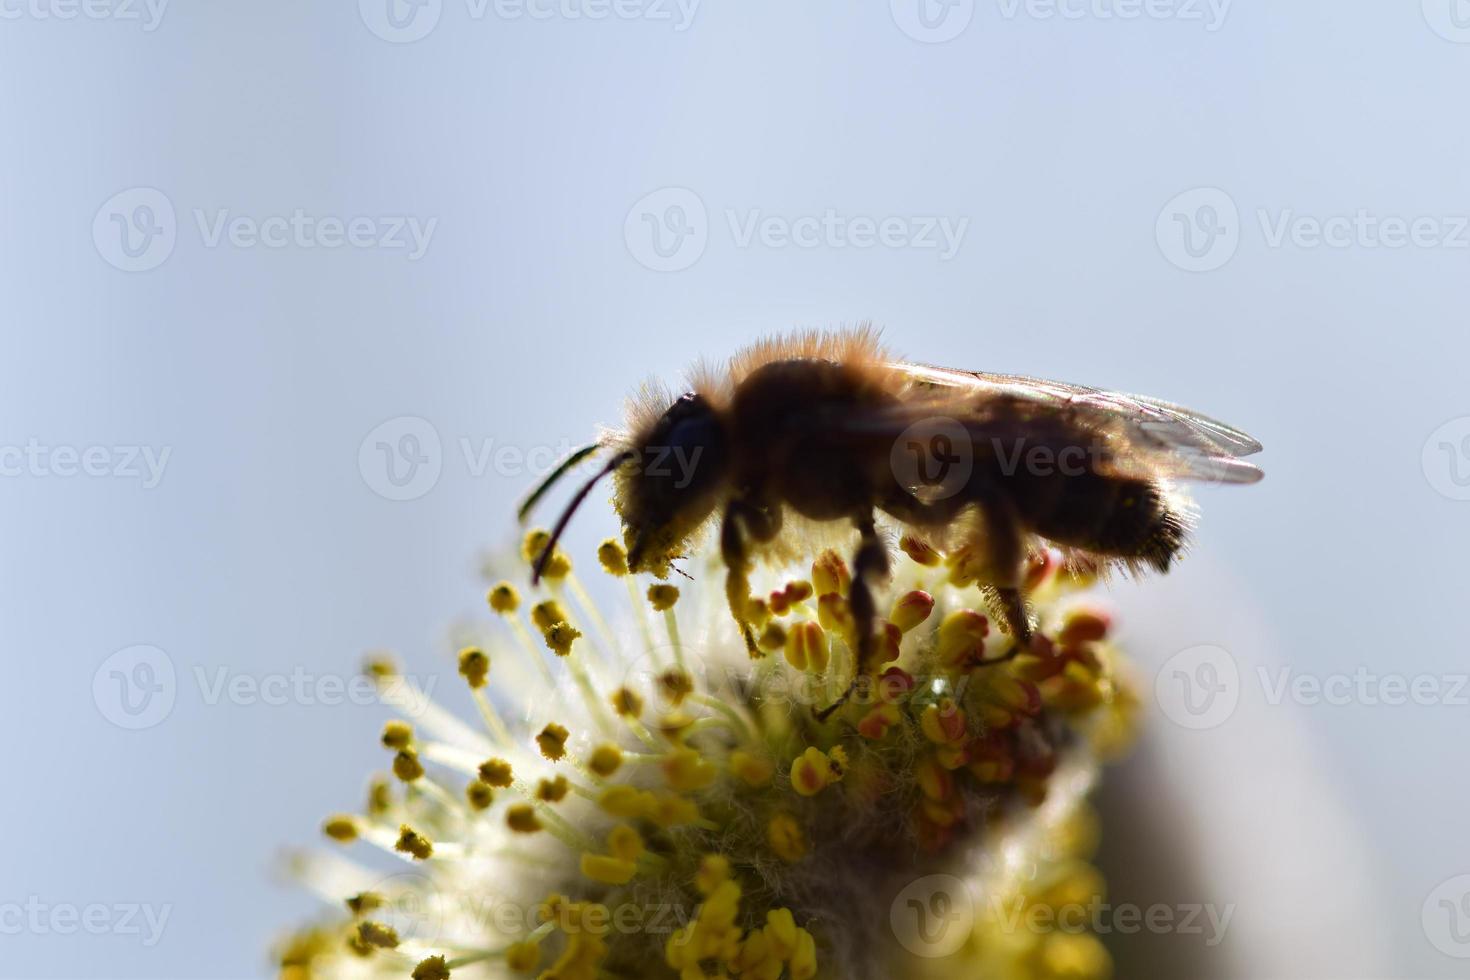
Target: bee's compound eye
[
  {"x": 687, "y": 446},
  {"x": 693, "y": 437}
]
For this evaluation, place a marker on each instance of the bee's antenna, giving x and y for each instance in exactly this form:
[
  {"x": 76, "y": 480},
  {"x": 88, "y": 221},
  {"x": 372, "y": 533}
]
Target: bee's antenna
[
  {"x": 534, "y": 497},
  {"x": 571, "y": 508}
]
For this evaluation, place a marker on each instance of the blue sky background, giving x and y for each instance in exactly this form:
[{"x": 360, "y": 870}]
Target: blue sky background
[{"x": 1138, "y": 198}]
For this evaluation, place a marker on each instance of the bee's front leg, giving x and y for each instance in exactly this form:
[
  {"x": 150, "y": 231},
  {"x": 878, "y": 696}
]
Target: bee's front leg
[{"x": 743, "y": 524}]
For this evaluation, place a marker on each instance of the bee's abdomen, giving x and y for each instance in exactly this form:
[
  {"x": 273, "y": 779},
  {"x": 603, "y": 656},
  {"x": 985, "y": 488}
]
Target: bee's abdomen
[{"x": 1108, "y": 515}]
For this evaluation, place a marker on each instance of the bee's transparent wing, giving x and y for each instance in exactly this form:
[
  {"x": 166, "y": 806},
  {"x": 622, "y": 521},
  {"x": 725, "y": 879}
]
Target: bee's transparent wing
[{"x": 1145, "y": 436}]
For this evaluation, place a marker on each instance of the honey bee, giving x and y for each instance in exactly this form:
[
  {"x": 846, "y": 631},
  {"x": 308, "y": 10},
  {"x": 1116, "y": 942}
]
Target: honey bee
[{"x": 828, "y": 428}]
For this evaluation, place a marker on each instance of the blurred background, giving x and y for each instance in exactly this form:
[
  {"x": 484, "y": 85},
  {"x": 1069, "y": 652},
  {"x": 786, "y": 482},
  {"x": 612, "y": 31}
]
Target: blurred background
[{"x": 299, "y": 298}]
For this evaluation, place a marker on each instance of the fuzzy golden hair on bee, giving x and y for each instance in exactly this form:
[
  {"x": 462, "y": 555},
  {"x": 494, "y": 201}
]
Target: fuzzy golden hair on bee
[
  {"x": 856, "y": 347},
  {"x": 641, "y": 411}
]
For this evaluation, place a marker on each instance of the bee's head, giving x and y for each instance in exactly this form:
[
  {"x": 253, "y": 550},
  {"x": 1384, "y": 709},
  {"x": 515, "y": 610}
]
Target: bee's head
[{"x": 669, "y": 481}]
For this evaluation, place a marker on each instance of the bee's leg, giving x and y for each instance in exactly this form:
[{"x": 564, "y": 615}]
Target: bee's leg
[
  {"x": 1018, "y": 623},
  {"x": 1005, "y": 550},
  {"x": 743, "y": 523},
  {"x": 1002, "y": 544},
  {"x": 871, "y": 562}
]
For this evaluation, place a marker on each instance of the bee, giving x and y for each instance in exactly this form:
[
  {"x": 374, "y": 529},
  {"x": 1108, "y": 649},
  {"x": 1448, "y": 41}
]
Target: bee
[{"x": 828, "y": 429}]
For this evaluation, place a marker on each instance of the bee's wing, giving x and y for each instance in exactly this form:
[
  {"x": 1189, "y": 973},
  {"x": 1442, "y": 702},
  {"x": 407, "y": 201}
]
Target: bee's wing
[{"x": 1146, "y": 437}]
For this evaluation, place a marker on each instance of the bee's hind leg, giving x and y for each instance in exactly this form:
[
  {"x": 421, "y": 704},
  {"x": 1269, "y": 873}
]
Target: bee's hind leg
[
  {"x": 1003, "y": 545},
  {"x": 1000, "y": 544},
  {"x": 743, "y": 523},
  {"x": 1012, "y": 608}
]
